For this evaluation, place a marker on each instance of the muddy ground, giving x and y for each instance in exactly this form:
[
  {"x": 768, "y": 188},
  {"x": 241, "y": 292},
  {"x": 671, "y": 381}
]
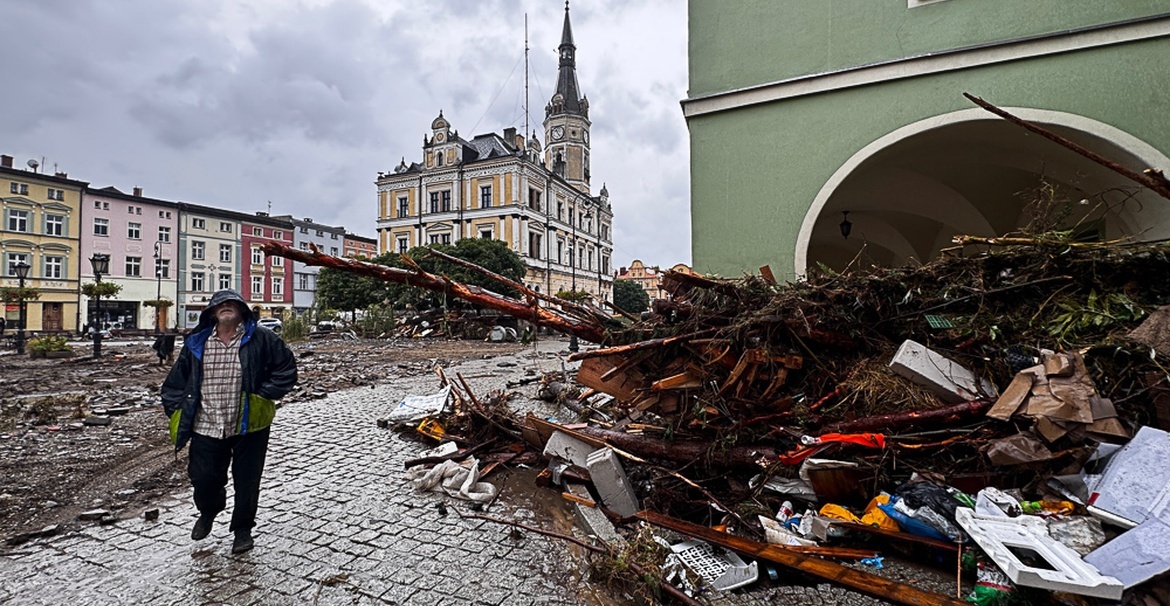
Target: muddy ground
[{"x": 79, "y": 435}]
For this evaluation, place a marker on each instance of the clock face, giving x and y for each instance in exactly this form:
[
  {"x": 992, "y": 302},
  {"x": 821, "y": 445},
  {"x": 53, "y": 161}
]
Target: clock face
[
  {"x": 439, "y": 137},
  {"x": 558, "y": 132}
]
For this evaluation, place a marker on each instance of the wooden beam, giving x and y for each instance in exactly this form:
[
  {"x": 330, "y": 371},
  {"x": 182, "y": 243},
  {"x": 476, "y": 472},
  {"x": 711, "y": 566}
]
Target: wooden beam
[{"x": 856, "y": 580}]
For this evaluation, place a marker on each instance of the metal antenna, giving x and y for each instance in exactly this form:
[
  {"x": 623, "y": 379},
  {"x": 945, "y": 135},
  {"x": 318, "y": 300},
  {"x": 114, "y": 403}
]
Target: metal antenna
[{"x": 527, "y": 135}]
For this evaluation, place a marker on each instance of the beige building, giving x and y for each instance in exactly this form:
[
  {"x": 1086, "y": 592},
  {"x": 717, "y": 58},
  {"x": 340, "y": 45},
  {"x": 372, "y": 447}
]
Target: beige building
[
  {"x": 41, "y": 227},
  {"x": 504, "y": 187},
  {"x": 649, "y": 277}
]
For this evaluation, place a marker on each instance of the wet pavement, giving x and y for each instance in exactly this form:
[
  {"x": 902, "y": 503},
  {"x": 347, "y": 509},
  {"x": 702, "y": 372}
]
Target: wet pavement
[{"x": 338, "y": 524}]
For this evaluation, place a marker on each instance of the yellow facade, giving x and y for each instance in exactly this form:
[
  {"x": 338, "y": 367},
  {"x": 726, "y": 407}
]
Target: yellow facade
[{"x": 41, "y": 226}]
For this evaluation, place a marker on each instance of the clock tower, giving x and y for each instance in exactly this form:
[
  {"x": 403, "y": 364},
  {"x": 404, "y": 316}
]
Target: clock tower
[{"x": 566, "y": 119}]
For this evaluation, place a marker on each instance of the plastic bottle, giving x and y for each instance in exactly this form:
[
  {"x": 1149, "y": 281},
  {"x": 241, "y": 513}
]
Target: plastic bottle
[{"x": 1047, "y": 507}]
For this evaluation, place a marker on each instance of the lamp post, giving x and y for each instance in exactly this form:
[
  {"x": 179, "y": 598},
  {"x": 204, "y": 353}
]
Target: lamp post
[
  {"x": 21, "y": 273},
  {"x": 574, "y": 258},
  {"x": 158, "y": 278},
  {"x": 101, "y": 266}
]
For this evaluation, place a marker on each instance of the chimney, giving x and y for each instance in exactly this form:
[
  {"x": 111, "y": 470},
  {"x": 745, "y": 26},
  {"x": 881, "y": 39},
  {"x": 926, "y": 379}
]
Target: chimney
[
  {"x": 63, "y": 175},
  {"x": 137, "y": 192},
  {"x": 5, "y": 161},
  {"x": 519, "y": 142},
  {"x": 510, "y": 135}
]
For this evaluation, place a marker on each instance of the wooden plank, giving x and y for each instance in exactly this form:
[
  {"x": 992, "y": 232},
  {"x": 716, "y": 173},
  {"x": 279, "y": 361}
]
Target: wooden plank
[
  {"x": 624, "y": 366},
  {"x": 683, "y": 380},
  {"x": 856, "y": 580},
  {"x": 623, "y": 386}
]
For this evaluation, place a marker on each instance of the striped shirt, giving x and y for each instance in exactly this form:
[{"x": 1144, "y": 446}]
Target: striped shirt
[{"x": 223, "y": 379}]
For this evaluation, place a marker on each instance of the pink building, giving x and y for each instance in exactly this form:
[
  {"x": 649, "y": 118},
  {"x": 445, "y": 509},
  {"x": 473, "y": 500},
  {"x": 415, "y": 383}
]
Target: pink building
[
  {"x": 140, "y": 236},
  {"x": 267, "y": 281}
]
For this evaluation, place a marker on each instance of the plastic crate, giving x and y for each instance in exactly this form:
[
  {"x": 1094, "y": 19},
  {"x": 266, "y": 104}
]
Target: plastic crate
[{"x": 719, "y": 568}]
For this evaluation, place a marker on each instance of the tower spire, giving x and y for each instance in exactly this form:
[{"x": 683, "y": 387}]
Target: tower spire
[{"x": 567, "y": 98}]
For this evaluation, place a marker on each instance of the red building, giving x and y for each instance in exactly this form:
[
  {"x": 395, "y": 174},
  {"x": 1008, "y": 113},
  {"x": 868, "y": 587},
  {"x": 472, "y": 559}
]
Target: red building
[
  {"x": 360, "y": 246},
  {"x": 267, "y": 281}
]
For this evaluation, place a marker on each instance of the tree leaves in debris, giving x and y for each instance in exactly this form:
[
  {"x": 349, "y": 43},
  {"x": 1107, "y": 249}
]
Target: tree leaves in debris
[{"x": 630, "y": 297}]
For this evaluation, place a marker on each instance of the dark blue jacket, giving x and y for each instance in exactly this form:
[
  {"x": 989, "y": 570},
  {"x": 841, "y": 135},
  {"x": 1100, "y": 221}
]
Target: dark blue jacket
[{"x": 268, "y": 365}]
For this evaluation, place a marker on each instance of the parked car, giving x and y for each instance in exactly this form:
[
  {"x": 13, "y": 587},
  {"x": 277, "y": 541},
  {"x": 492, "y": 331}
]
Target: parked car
[{"x": 273, "y": 324}]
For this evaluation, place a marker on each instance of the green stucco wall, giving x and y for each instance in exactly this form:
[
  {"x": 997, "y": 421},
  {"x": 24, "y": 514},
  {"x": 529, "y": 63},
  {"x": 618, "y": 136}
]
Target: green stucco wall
[
  {"x": 755, "y": 170},
  {"x": 740, "y": 43}
]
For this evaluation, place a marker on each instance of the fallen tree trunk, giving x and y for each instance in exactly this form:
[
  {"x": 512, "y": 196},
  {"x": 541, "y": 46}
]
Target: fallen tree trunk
[
  {"x": 681, "y": 451},
  {"x": 541, "y": 316},
  {"x": 946, "y": 415}
]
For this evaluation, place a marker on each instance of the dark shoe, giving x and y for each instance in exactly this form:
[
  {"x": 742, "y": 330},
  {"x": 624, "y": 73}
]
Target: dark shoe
[
  {"x": 243, "y": 542},
  {"x": 202, "y": 527}
]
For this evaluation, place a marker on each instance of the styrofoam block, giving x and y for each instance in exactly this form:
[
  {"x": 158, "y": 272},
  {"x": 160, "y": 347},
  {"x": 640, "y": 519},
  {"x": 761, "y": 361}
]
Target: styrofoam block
[
  {"x": 1133, "y": 479},
  {"x": 945, "y": 377},
  {"x": 592, "y": 521},
  {"x": 609, "y": 478},
  {"x": 565, "y": 446},
  {"x": 998, "y": 536}
]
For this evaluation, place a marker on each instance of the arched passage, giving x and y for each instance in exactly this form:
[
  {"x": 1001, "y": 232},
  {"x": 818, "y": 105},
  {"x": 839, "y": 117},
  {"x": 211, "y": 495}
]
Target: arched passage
[{"x": 969, "y": 172}]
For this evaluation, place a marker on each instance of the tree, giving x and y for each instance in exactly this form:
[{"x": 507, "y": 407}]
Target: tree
[
  {"x": 347, "y": 291},
  {"x": 630, "y": 297},
  {"x": 103, "y": 289}
]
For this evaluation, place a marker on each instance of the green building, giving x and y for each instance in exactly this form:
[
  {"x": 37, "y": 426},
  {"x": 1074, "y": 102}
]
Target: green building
[{"x": 801, "y": 111}]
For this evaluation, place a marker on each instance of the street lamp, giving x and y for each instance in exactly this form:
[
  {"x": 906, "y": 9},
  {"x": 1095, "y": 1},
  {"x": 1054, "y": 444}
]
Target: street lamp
[
  {"x": 158, "y": 293},
  {"x": 101, "y": 266},
  {"x": 21, "y": 273}
]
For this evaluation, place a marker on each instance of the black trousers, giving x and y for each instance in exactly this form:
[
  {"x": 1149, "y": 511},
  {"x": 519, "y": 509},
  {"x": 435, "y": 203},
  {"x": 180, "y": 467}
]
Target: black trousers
[{"x": 208, "y": 469}]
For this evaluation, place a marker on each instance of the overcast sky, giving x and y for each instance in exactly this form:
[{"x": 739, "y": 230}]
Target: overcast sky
[{"x": 235, "y": 103}]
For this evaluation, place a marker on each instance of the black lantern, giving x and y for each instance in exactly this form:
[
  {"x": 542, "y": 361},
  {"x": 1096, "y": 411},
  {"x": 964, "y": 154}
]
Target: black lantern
[
  {"x": 846, "y": 224},
  {"x": 101, "y": 267},
  {"x": 21, "y": 274}
]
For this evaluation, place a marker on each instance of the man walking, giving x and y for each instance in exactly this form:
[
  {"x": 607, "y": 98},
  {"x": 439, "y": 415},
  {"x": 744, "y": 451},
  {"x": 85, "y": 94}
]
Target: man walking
[{"x": 220, "y": 397}]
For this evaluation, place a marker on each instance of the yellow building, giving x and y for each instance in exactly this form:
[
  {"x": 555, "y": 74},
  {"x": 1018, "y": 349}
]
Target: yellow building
[
  {"x": 504, "y": 187},
  {"x": 649, "y": 278},
  {"x": 42, "y": 222}
]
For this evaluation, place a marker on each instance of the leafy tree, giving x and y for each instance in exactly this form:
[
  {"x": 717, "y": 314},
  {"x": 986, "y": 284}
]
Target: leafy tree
[
  {"x": 630, "y": 297},
  {"x": 13, "y": 294},
  {"x": 346, "y": 291},
  {"x": 574, "y": 296},
  {"x": 103, "y": 289}
]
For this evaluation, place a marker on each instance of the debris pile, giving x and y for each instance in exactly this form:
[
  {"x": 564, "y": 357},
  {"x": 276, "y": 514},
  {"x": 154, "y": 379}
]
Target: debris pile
[{"x": 1006, "y": 405}]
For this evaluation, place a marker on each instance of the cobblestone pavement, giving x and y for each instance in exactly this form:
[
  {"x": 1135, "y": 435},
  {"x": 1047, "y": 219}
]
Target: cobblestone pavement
[{"x": 338, "y": 524}]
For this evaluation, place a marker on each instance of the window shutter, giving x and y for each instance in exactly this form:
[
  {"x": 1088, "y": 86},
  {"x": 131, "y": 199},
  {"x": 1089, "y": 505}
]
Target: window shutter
[{"x": 64, "y": 268}]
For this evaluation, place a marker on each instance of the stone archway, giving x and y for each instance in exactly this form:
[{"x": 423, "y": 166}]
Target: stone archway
[{"x": 969, "y": 172}]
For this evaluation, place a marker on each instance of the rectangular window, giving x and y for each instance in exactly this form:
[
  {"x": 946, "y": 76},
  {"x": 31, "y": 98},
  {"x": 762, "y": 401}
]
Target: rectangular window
[
  {"x": 56, "y": 194},
  {"x": 485, "y": 196},
  {"x": 278, "y": 261},
  {"x": 257, "y": 231},
  {"x": 333, "y": 236},
  {"x": 198, "y": 224},
  {"x": 434, "y": 238},
  {"x": 320, "y": 234},
  {"x": 304, "y": 230},
  {"x": 446, "y": 196},
  {"x": 485, "y": 234},
  {"x": 257, "y": 259},
  {"x": 97, "y": 204},
  {"x": 134, "y": 231},
  {"x": 257, "y": 286},
  {"x": 304, "y": 246},
  {"x": 55, "y": 267},
  {"x": 277, "y": 286},
  {"x": 164, "y": 234},
  {"x": 133, "y": 267},
  {"x": 560, "y": 211},
  {"x": 101, "y": 227},
  {"x": 198, "y": 251},
  {"x": 446, "y": 239},
  {"x": 225, "y": 281},
  {"x": 333, "y": 250},
  {"x": 54, "y": 225},
  {"x": 14, "y": 259},
  {"x": 129, "y": 210},
  {"x": 403, "y": 206},
  {"x": 434, "y": 201},
  {"x": 560, "y": 251},
  {"x": 277, "y": 235},
  {"x": 17, "y": 220},
  {"x": 302, "y": 281},
  {"x": 534, "y": 241},
  {"x": 225, "y": 227},
  {"x": 138, "y": 211},
  {"x": 19, "y": 188},
  {"x": 162, "y": 268},
  {"x": 197, "y": 281},
  {"x": 605, "y": 265},
  {"x": 225, "y": 253},
  {"x": 402, "y": 244},
  {"x": 533, "y": 199},
  {"x": 590, "y": 260}
]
